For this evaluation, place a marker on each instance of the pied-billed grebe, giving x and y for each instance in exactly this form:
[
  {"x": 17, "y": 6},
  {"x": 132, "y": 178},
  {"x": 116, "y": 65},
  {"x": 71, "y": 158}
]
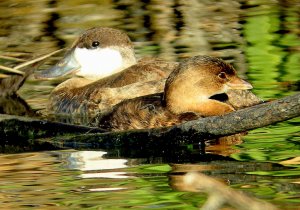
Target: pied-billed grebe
[{"x": 189, "y": 94}]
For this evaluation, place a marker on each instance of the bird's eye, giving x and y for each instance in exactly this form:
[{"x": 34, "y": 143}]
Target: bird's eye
[
  {"x": 222, "y": 75},
  {"x": 95, "y": 44}
]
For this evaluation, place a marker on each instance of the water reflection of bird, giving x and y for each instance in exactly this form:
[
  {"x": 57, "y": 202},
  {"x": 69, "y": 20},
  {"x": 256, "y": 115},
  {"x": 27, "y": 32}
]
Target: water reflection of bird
[
  {"x": 109, "y": 73},
  {"x": 191, "y": 91}
]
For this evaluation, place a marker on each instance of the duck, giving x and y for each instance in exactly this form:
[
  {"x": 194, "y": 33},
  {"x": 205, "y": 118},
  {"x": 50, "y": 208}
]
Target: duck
[
  {"x": 105, "y": 72},
  {"x": 103, "y": 64},
  {"x": 193, "y": 90}
]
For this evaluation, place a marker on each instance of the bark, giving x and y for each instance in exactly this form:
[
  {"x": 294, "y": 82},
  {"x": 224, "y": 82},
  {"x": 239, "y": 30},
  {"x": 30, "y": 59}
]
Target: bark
[
  {"x": 17, "y": 128},
  {"x": 205, "y": 128},
  {"x": 247, "y": 119},
  {"x": 163, "y": 138}
]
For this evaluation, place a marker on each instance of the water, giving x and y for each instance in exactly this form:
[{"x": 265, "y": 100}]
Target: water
[{"x": 260, "y": 38}]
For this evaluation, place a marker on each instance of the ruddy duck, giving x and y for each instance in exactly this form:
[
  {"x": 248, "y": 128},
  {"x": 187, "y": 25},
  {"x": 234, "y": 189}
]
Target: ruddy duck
[
  {"x": 104, "y": 59},
  {"x": 189, "y": 94}
]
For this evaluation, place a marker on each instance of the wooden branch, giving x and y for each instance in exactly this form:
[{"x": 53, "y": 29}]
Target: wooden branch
[
  {"x": 163, "y": 138},
  {"x": 247, "y": 119},
  {"x": 13, "y": 127},
  {"x": 205, "y": 128}
]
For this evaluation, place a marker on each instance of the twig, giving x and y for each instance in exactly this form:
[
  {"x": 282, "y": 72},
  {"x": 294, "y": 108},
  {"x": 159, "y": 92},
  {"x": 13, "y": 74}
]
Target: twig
[
  {"x": 11, "y": 58},
  {"x": 13, "y": 70},
  {"x": 16, "y": 54},
  {"x": 3, "y": 76},
  {"x": 37, "y": 59},
  {"x": 27, "y": 63}
]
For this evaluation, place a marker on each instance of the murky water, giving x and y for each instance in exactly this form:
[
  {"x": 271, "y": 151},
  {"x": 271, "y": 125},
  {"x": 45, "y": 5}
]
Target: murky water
[{"x": 260, "y": 38}]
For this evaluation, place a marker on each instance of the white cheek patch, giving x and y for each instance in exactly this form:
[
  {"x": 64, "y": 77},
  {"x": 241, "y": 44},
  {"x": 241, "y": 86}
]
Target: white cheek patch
[{"x": 98, "y": 63}]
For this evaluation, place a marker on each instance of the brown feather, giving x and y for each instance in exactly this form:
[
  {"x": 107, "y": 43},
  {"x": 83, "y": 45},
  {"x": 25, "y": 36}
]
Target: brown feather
[
  {"x": 198, "y": 75},
  {"x": 82, "y": 96}
]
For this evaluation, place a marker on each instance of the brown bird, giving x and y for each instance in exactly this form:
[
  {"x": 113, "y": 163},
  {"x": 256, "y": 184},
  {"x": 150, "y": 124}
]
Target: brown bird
[
  {"x": 191, "y": 91},
  {"x": 107, "y": 73},
  {"x": 104, "y": 60}
]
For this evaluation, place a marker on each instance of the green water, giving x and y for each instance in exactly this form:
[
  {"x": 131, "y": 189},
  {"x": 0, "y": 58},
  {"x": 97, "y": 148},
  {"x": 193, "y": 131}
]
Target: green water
[{"x": 260, "y": 38}]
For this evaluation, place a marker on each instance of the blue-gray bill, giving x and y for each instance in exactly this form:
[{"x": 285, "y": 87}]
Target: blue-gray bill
[{"x": 67, "y": 65}]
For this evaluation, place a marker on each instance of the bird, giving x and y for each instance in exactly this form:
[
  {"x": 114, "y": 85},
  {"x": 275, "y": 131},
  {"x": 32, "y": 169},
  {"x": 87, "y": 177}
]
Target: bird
[
  {"x": 105, "y": 73},
  {"x": 103, "y": 63},
  {"x": 195, "y": 89}
]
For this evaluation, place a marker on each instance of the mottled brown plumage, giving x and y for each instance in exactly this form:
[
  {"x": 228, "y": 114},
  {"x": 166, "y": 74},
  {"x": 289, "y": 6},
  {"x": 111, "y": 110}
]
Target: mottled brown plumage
[
  {"x": 188, "y": 95},
  {"x": 142, "y": 112},
  {"x": 79, "y": 96},
  {"x": 90, "y": 96}
]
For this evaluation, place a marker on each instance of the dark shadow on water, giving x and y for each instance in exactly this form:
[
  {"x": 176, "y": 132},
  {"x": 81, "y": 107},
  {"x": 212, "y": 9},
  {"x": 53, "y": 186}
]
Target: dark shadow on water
[
  {"x": 50, "y": 27},
  {"x": 190, "y": 153}
]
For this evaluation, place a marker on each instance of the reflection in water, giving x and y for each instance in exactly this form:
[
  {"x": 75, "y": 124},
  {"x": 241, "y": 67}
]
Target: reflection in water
[
  {"x": 90, "y": 161},
  {"x": 26, "y": 177},
  {"x": 93, "y": 160},
  {"x": 50, "y": 27},
  {"x": 273, "y": 46},
  {"x": 52, "y": 178},
  {"x": 111, "y": 175}
]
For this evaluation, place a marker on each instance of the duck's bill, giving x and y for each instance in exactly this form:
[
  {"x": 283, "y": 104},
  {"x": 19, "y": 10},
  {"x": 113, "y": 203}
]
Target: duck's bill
[
  {"x": 239, "y": 84},
  {"x": 65, "y": 66}
]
